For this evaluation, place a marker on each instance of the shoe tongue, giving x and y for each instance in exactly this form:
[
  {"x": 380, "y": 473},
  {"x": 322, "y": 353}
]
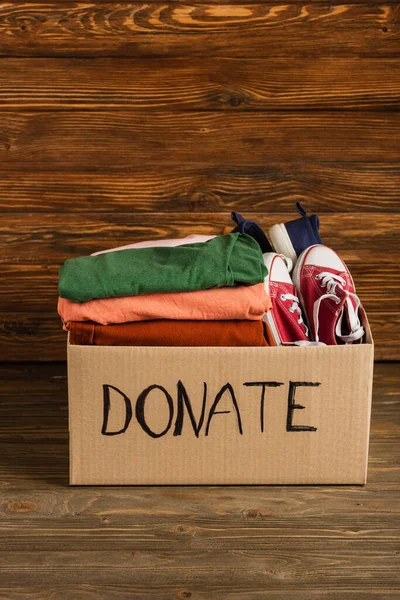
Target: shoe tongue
[
  {"x": 296, "y": 331},
  {"x": 346, "y": 321},
  {"x": 343, "y": 313},
  {"x": 341, "y": 294},
  {"x": 333, "y": 286},
  {"x": 287, "y": 288}
]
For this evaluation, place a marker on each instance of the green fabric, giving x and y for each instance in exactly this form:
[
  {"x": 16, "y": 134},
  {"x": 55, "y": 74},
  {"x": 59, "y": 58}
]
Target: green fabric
[{"x": 226, "y": 260}]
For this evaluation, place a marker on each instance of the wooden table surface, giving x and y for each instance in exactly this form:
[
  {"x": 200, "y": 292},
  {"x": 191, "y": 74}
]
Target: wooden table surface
[{"x": 236, "y": 543}]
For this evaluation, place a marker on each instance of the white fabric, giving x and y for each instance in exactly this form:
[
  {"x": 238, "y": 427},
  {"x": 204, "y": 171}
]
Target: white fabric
[
  {"x": 295, "y": 307},
  {"x": 305, "y": 343},
  {"x": 190, "y": 239},
  {"x": 323, "y": 256},
  {"x": 278, "y": 267},
  {"x": 332, "y": 282}
]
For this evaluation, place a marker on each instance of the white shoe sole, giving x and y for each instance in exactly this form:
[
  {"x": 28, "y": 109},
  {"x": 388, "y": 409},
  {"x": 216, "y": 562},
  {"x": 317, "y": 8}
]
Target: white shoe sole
[
  {"x": 281, "y": 241},
  {"x": 268, "y": 317}
]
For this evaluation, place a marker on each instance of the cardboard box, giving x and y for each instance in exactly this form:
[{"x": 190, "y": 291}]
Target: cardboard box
[{"x": 157, "y": 415}]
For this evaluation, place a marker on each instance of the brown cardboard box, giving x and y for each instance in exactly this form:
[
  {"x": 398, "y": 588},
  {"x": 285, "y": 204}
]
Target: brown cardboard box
[{"x": 293, "y": 415}]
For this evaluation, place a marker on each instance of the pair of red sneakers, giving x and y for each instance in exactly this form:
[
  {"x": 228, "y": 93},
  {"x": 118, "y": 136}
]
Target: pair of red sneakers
[{"x": 318, "y": 305}]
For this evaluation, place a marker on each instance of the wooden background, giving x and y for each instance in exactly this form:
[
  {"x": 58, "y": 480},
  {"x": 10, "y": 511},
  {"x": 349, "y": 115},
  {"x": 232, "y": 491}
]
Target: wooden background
[{"x": 126, "y": 121}]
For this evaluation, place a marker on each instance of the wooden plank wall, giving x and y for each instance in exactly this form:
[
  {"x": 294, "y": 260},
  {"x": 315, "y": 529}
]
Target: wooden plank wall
[{"x": 126, "y": 121}]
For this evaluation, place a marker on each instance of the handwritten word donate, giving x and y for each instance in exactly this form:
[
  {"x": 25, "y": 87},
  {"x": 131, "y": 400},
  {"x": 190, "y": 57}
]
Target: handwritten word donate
[{"x": 176, "y": 410}]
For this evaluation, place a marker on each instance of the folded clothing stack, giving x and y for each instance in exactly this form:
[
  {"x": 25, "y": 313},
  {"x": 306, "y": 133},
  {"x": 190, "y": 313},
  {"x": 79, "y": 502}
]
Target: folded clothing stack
[
  {"x": 197, "y": 291},
  {"x": 239, "y": 289}
]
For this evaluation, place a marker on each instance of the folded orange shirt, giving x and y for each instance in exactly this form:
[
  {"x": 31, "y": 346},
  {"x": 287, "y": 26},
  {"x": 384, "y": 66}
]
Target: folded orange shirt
[
  {"x": 169, "y": 333},
  {"x": 242, "y": 302}
]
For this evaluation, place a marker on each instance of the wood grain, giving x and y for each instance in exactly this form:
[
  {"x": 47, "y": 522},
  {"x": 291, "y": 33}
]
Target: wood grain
[
  {"x": 41, "y": 395},
  {"x": 115, "y": 141},
  {"x": 126, "y": 593},
  {"x": 201, "y": 2},
  {"x": 220, "y": 543},
  {"x": 189, "y": 111},
  {"x": 196, "y": 84},
  {"x": 43, "y": 592},
  {"x": 33, "y": 246},
  {"x": 376, "y": 285},
  {"x": 250, "y": 569},
  {"x": 40, "y": 392},
  {"x": 200, "y": 30},
  {"x": 272, "y": 188},
  {"x": 49, "y": 239},
  {"x": 30, "y": 335}
]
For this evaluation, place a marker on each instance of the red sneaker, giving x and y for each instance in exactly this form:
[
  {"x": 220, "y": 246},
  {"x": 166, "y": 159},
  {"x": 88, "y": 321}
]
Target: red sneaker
[
  {"x": 284, "y": 320},
  {"x": 327, "y": 295}
]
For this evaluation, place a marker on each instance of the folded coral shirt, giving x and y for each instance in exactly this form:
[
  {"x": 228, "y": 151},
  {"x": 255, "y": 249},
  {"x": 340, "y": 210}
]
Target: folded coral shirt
[
  {"x": 169, "y": 333},
  {"x": 190, "y": 239},
  {"x": 226, "y": 260},
  {"x": 242, "y": 302}
]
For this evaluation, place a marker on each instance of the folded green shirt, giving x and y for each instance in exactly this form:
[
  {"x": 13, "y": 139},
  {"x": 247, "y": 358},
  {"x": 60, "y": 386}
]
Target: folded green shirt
[{"x": 226, "y": 260}]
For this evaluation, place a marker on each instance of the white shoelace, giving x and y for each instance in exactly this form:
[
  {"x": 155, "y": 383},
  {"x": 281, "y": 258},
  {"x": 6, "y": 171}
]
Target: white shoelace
[
  {"x": 295, "y": 307},
  {"x": 332, "y": 282}
]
